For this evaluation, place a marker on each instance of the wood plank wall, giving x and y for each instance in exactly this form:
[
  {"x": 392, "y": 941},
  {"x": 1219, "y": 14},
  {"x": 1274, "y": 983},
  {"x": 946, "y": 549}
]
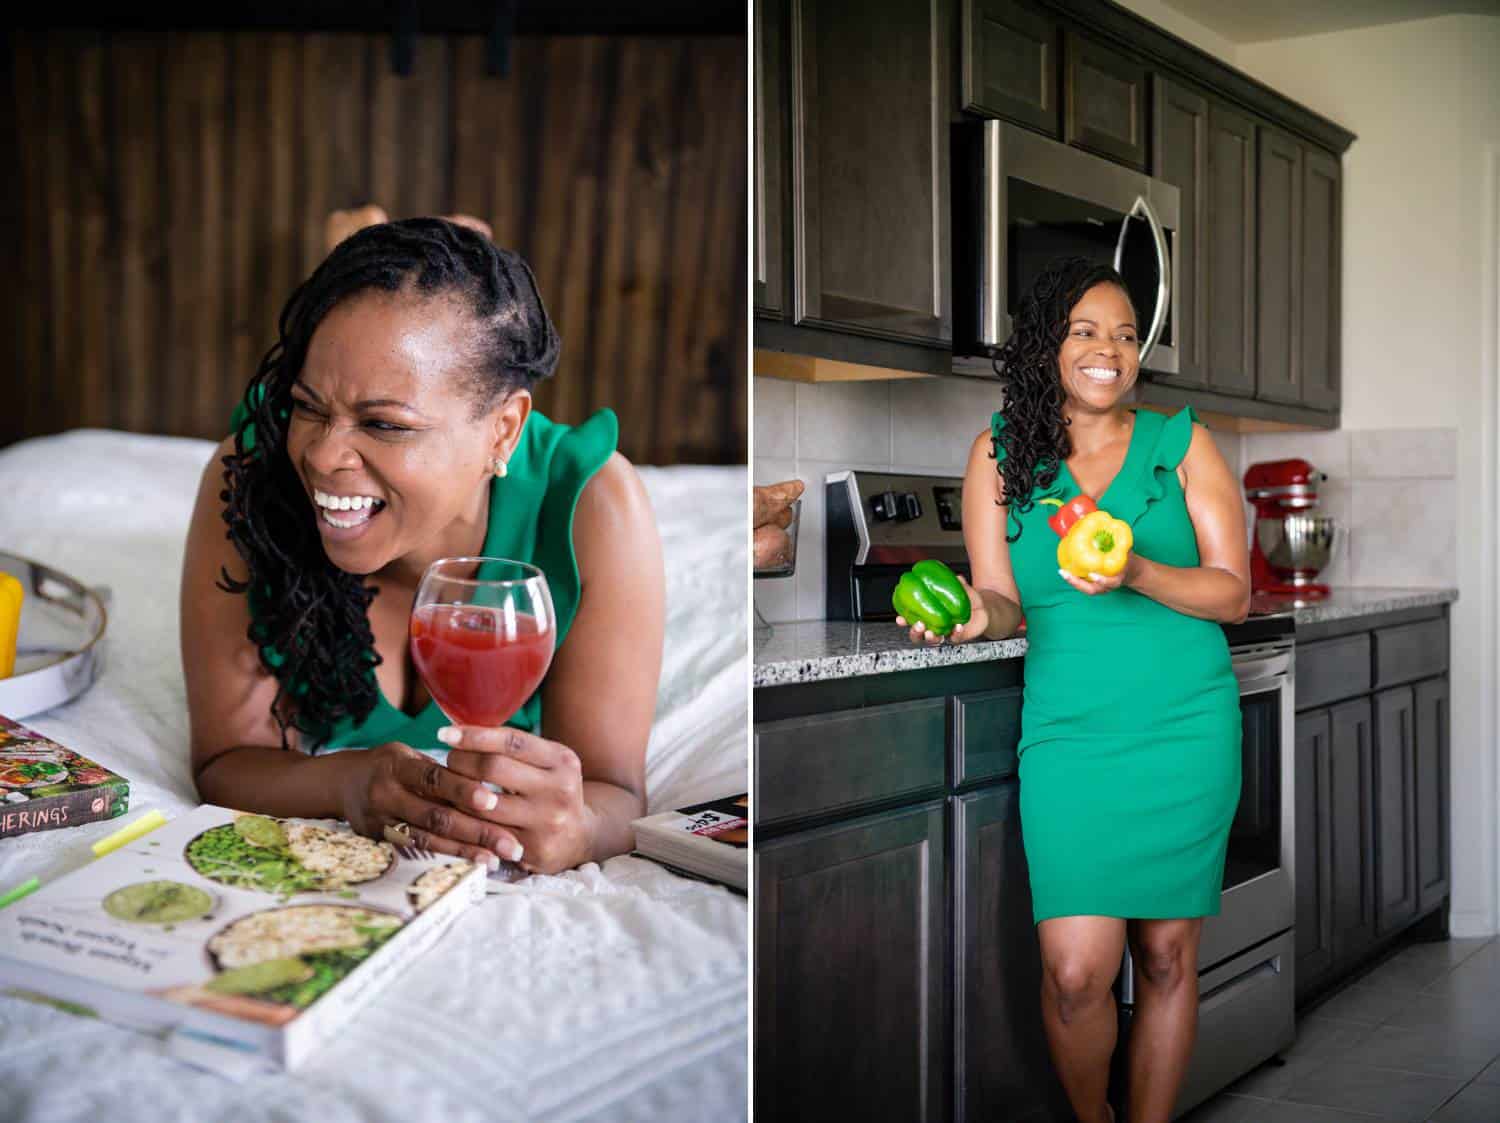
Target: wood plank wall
[{"x": 170, "y": 191}]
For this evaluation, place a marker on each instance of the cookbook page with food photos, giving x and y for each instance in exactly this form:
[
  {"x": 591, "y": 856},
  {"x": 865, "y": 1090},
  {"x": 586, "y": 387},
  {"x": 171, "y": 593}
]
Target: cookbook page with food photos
[{"x": 265, "y": 932}]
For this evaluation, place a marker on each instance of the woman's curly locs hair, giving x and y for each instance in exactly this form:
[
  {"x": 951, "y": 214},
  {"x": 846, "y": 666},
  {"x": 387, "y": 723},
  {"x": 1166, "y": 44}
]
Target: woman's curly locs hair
[
  {"x": 1035, "y": 435},
  {"x": 309, "y": 620}
]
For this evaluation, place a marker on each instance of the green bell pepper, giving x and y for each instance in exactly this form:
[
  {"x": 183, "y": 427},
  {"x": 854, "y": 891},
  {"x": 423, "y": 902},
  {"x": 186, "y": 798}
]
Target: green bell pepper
[{"x": 931, "y": 593}]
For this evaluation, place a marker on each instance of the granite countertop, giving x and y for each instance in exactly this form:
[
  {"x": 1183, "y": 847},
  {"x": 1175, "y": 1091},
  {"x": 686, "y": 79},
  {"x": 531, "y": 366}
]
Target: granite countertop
[{"x": 817, "y": 650}]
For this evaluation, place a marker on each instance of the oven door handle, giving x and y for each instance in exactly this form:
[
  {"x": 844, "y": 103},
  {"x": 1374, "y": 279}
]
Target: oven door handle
[{"x": 1256, "y": 670}]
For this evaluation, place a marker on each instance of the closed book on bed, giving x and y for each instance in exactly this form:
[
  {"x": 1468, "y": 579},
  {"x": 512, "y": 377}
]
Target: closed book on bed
[
  {"x": 44, "y": 786},
  {"x": 709, "y": 840},
  {"x": 253, "y": 936}
]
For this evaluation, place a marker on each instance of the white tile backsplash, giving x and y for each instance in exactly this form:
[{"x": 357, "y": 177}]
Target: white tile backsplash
[
  {"x": 1404, "y": 532},
  {"x": 1384, "y": 454},
  {"x": 775, "y": 417},
  {"x": 934, "y": 421},
  {"x": 844, "y": 421},
  {"x": 1326, "y": 451}
]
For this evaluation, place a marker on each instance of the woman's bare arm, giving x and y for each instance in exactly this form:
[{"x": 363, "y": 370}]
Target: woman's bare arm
[
  {"x": 1218, "y": 588},
  {"x": 985, "y": 518},
  {"x": 236, "y": 756},
  {"x": 599, "y": 697}
]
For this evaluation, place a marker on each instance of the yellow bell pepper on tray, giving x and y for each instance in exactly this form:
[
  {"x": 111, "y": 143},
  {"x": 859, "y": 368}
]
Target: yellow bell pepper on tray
[
  {"x": 11, "y": 594},
  {"x": 1093, "y": 541}
]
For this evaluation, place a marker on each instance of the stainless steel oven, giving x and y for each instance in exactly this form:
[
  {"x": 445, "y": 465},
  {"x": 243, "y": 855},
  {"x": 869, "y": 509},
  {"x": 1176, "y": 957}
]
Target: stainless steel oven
[
  {"x": 1247, "y": 952},
  {"x": 1021, "y": 200}
]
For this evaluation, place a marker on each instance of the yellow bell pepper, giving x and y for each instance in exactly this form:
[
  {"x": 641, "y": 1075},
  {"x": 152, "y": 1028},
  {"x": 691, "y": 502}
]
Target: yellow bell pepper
[
  {"x": 1096, "y": 543},
  {"x": 11, "y": 594}
]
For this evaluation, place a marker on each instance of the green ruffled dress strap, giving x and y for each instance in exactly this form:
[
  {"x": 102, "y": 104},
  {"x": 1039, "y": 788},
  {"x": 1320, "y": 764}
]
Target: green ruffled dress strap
[{"x": 1163, "y": 444}]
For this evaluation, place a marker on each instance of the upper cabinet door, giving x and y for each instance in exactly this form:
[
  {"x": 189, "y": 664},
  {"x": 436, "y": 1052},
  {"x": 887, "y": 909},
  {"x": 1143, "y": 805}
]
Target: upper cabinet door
[
  {"x": 769, "y": 178},
  {"x": 1278, "y": 345},
  {"x": 1104, "y": 101},
  {"x": 1179, "y": 155},
  {"x": 1010, "y": 63},
  {"x": 1320, "y": 279},
  {"x": 1228, "y": 294},
  {"x": 870, "y": 111}
]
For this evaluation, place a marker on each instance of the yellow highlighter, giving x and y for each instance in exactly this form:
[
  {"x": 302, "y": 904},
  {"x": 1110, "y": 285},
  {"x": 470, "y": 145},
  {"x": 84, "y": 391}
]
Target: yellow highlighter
[
  {"x": 11, "y": 595},
  {"x": 129, "y": 833}
]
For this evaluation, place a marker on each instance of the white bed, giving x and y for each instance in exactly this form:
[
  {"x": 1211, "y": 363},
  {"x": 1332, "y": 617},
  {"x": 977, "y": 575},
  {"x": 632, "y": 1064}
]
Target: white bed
[{"x": 610, "y": 992}]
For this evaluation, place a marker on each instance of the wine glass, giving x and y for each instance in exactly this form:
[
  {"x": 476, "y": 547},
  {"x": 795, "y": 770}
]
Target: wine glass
[{"x": 483, "y": 631}]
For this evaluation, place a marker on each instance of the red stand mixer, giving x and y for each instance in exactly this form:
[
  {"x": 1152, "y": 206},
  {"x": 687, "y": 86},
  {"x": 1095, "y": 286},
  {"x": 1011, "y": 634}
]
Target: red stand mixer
[{"x": 1290, "y": 542}]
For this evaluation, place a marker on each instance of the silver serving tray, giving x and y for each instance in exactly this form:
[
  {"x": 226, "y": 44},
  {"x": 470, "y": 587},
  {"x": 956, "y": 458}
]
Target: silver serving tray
[{"x": 58, "y": 654}]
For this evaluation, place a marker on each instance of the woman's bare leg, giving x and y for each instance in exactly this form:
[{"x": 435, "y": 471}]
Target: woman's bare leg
[
  {"x": 1081, "y": 957},
  {"x": 1166, "y": 1013}
]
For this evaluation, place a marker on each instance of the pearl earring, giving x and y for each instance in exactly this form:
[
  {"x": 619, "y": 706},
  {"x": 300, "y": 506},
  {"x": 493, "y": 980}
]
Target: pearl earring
[{"x": 499, "y": 467}]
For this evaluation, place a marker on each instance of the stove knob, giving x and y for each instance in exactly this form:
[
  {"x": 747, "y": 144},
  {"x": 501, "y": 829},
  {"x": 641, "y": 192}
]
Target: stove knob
[
  {"x": 883, "y": 506},
  {"x": 909, "y": 507}
]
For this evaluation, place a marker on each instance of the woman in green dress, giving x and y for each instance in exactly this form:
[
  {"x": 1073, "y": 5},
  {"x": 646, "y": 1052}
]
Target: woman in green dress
[
  {"x": 392, "y": 425},
  {"x": 1130, "y": 744}
]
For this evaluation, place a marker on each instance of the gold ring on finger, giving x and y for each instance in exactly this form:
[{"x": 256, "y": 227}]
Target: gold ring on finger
[{"x": 398, "y": 833}]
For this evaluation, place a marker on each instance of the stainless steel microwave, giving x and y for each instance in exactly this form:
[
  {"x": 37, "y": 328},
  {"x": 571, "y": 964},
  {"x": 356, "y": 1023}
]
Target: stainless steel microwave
[{"x": 1021, "y": 200}]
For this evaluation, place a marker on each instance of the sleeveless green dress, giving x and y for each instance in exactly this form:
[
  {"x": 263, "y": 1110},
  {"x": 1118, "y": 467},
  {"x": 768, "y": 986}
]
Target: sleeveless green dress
[
  {"x": 531, "y": 520},
  {"x": 1129, "y": 758}
]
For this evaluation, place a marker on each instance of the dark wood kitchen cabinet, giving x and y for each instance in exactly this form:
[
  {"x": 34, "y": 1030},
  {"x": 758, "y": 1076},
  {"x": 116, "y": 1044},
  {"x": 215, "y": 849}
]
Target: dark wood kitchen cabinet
[
  {"x": 1278, "y": 286},
  {"x": 1432, "y": 797},
  {"x": 769, "y": 171},
  {"x": 1373, "y": 823},
  {"x": 1228, "y": 294},
  {"x": 1314, "y": 827},
  {"x": 1351, "y": 785},
  {"x": 1010, "y": 63},
  {"x": 870, "y": 106},
  {"x": 1002, "y": 1067},
  {"x": 1395, "y": 818},
  {"x": 850, "y": 970},
  {"x": 1179, "y": 155},
  {"x": 1104, "y": 100},
  {"x": 1318, "y": 363}
]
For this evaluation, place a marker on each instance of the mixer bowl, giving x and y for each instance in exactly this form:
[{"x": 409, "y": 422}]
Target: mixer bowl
[{"x": 1296, "y": 546}]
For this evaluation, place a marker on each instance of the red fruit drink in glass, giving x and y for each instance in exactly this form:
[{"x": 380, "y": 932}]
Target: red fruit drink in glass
[{"x": 479, "y": 664}]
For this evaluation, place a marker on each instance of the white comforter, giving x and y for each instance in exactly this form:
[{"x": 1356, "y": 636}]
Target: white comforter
[{"x": 613, "y": 992}]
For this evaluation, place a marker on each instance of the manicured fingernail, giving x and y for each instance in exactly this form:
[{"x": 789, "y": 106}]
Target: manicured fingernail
[
  {"x": 515, "y": 852},
  {"x": 492, "y": 863},
  {"x": 485, "y": 801},
  {"x": 1060, "y": 573},
  {"x": 450, "y": 735}
]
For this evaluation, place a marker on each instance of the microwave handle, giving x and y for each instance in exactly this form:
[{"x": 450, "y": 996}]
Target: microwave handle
[{"x": 1163, "y": 269}]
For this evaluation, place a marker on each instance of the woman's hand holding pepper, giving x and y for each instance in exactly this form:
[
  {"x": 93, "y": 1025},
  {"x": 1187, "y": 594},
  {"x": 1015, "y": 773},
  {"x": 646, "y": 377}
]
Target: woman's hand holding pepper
[
  {"x": 1097, "y": 583},
  {"x": 979, "y": 620},
  {"x": 447, "y": 812},
  {"x": 542, "y": 803}
]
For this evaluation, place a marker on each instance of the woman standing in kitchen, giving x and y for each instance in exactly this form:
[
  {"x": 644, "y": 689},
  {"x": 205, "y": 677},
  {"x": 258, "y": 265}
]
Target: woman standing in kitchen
[{"x": 1130, "y": 742}]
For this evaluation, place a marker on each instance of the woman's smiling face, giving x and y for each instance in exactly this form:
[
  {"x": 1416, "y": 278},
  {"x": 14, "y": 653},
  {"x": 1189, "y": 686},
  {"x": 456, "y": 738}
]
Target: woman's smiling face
[
  {"x": 1100, "y": 357},
  {"x": 383, "y": 434}
]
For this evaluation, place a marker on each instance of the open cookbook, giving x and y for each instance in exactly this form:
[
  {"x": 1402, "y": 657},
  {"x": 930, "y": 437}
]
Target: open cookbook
[{"x": 238, "y": 932}]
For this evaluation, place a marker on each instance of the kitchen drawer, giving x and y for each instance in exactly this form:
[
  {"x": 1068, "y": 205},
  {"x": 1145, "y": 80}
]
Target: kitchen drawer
[
  {"x": 986, "y": 729},
  {"x": 1332, "y": 669},
  {"x": 1410, "y": 651},
  {"x": 1245, "y": 1007},
  {"x": 850, "y": 759}
]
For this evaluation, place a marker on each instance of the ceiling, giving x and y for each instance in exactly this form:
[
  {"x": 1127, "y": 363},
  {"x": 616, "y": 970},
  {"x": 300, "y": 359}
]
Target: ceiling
[{"x": 1242, "y": 22}]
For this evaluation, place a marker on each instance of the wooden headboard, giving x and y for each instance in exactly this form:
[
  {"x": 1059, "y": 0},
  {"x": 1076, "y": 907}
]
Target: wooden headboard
[{"x": 170, "y": 191}]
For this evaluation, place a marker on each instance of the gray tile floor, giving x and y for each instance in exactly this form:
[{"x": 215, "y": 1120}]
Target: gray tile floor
[{"x": 1417, "y": 1040}]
